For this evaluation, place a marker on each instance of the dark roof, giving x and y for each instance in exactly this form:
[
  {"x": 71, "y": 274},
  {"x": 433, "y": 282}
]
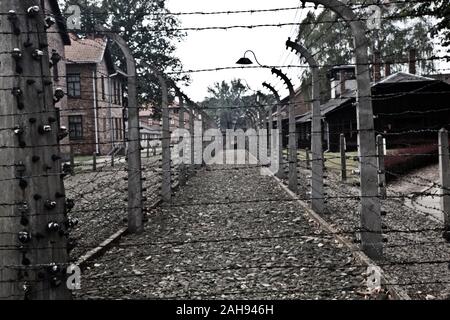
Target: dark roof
[
  {"x": 333, "y": 104},
  {"x": 442, "y": 77},
  {"x": 285, "y": 100},
  {"x": 60, "y": 20},
  {"x": 344, "y": 67},
  {"x": 404, "y": 77},
  {"x": 396, "y": 78},
  {"x": 326, "y": 108},
  {"x": 88, "y": 50}
]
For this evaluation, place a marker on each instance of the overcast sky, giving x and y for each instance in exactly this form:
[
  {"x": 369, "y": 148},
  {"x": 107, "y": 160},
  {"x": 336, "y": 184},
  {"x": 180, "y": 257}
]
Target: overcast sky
[{"x": 218, "y": 48}]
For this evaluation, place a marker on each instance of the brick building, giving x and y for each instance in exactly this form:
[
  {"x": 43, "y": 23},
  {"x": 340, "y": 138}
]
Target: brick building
[
  {"x": 301, "y": 108},
  {"x": 95, "y": 97},
  {"x": 151, "y": 129}
]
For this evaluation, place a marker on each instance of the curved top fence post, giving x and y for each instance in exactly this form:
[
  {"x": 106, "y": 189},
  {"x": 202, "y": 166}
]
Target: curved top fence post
[
  {"x": 370, "y": 216},
  {"x": 135, "y": 212},
  {"x": 317, "y": 194}
]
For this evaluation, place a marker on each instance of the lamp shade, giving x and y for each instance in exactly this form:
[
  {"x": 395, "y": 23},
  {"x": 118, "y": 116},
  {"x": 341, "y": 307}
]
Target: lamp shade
[{"x": 244, "y": 61}]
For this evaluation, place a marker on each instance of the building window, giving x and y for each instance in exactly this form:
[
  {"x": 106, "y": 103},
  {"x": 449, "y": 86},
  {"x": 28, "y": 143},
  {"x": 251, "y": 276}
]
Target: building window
[
  {"x": 75, "y": 127},
  {"x": 74, "y": 85},
  {"x": 118, "y": 129},
  {"x": 55, "y": 65}
]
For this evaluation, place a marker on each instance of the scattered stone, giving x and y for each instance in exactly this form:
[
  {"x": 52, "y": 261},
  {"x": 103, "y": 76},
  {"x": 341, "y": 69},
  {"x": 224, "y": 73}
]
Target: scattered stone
[{"x": 267, "y": 259}]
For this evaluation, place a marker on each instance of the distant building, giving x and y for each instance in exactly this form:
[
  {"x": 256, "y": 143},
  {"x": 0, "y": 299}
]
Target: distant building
[
  {"x": 301, "y": 107},
  {"x": 408, "y": 109},
  {"x": 95, "y": 113},
  {"x": 151, "y": 129},
  {"x": 442, "y": 77}
]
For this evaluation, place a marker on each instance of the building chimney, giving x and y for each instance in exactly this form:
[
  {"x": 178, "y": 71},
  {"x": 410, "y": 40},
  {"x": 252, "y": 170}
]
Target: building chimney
[
  {"x": 343, "y": 80},
  {"x": 377, "y": 66},
  {"x": 412, "y": 60}
]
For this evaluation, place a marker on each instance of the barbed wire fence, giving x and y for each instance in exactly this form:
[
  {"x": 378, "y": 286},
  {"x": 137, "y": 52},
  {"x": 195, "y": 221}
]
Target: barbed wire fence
[{"x": 96, "y": 191}]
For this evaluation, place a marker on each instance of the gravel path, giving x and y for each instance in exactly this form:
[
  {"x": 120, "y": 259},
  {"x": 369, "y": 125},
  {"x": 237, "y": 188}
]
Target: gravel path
[
  {"x": 419, "y": 259},
  {"x": 417, "y": 179},
  {"x": 230, "y": 233},
  {"x": 99, "y": 199}
]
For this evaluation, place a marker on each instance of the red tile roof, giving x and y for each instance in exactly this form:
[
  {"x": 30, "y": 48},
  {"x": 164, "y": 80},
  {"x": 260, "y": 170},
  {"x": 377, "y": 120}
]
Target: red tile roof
[{"x": 85, "y": 50}]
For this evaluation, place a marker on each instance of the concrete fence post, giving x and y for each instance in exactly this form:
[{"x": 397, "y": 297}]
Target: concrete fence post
[
  {"x": 342, "y": 148},
  {"x": 192, "y": 139},
  {"x": 317, "y": 186},
  {"x": 381, "y": 168},
  {"x": 94, "y": 161},
  {"x": 72, "y": 160},
  {"x": 33, "y": 212},
  {"x": 308, "y": 158},
  {"x": 280, "y": 172},
  {"x": 370, "y": 207},
  {"x": 133, "y": 139},
  {"x": 292, "y": 133},
  {"x": 444, "y": 180},
  {"x": 182, "y": 165},
  {"x": 166, "y": 186}
]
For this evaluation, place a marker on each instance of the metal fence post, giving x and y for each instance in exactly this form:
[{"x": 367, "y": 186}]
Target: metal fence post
[{"x": 192, "y": 140}]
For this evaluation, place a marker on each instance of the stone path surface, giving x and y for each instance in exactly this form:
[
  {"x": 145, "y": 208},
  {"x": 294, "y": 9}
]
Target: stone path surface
[
  {"x": 416, "y": 256},
  {"x": 429, "y": 204},
  {"x": 99, "y": 204},
  {"x": 423, "y": 180},
  {"x": 229, "y": 233}
]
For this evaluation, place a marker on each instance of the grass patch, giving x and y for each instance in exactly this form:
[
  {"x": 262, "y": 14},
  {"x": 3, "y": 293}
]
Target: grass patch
[
  {"x": 82, "y": 158},
  {"x": 333, "y": 162}
]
